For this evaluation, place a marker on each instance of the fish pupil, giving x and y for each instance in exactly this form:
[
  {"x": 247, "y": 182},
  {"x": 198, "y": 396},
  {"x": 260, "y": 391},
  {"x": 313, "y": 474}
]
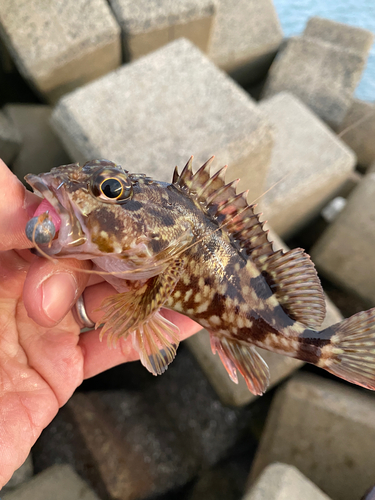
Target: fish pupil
[{"x": 112, "y": 188}]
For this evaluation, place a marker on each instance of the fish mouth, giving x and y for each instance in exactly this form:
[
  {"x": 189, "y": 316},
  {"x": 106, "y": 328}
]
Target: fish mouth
[{"x": 70, "y": 233}]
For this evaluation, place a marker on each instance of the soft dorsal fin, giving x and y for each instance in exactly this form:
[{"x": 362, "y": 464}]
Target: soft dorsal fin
[
  {"x": 291, "y": 275},
  {"x": 294, "y": 280}
]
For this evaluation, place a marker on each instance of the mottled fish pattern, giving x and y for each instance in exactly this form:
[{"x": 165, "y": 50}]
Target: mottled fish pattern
[{"x": 195, "y": 246}]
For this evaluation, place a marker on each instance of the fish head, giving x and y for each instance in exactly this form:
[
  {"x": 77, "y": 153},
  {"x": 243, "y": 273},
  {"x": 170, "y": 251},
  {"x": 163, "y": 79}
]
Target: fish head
[{"x": 105, "y": 211}]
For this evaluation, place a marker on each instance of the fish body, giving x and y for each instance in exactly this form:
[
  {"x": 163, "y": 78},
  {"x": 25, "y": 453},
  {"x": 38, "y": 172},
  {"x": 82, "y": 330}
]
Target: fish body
[{"x": 195, "y": 246}]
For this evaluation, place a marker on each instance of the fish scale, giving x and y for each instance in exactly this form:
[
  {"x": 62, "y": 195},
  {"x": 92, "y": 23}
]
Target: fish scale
[{"x": 195, "y": 246}]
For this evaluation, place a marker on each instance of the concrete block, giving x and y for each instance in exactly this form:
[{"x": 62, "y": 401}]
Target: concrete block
[
  {"x": 324, "y": 76},
  {"x": 280, "y": 366},
  {"x": 10, "y": 140},
  {"x": 59, "y": 482},
  {"x": 41, "y": 149},
  {"x": 58, "y": 46},
  {"x": 284, "y": 482},
  {"x": 150, "y": 435},
  {"x": 309, "y": 164},
  {"x": 358, "y": 131},
  {"x": 345, "y": 251},
  {"x": 246, "y": 37},
  {"x": 327, "y": 430},
  {"x": 146, "y": 25},
  {"x": 153, "y": 113},
  {"x": 347, "y": 37},
  {"x": 21, "y": 475}
]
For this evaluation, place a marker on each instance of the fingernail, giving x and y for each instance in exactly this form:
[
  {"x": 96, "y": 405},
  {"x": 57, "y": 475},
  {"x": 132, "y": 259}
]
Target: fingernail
[
  {"x": 30, "y": 203},
  {"x": 58, "y": 294}
]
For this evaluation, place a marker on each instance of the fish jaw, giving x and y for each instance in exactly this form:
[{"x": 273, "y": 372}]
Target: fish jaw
[{"x": 71, "y": 231}]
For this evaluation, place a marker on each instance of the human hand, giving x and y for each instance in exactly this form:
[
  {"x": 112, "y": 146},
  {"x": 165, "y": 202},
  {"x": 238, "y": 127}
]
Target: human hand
[{"x": 43, "y": 357}]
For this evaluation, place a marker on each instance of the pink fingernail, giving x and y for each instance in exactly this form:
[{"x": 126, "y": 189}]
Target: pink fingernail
[{"x": 58, "y": 295}]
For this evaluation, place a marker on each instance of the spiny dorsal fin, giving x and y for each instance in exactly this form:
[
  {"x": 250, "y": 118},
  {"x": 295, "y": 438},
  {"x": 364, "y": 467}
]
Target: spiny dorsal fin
[
  {"x": 291, "y": 275},
  {"x": 230, "y": 209},
  {"x": 293, "y": 279}
]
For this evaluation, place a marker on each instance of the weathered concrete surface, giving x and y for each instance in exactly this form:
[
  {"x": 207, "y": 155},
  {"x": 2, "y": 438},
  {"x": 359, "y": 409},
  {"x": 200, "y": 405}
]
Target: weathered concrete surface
[
  {"x": 309, "y": 164},
  {"x": 58, "y": 46},
  {"x": 41, "y": 149},
  {"x": 246, "y": 36},
  {"x": 10, "y": 140},
  {"x": 323, "y": 75},
  {"x": 59, "y": 482},
  {"x": 147, "y": 25},
  {"x": 327, "y": 430},
  {"x": 348, "y": 37},
  {"x": 280, "y": 366},
  {"x": 150, "y": 435},
  {"x": 154, "y": 113},
  {"x": 284, "y": 482},
  {"x": 358, "y": 131},
  {"x": 345, "y": 252}
]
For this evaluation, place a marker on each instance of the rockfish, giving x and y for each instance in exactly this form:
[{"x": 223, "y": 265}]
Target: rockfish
[{"x": 195, "y": 246}]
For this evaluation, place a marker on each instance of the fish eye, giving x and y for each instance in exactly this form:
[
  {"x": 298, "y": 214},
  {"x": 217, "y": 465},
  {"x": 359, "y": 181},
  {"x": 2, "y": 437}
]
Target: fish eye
[{"x": 111, "y": 187}]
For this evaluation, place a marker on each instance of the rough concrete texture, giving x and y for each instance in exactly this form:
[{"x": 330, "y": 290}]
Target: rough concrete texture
[
  {"x": 309, "y": 164},
  {"x": 246, "y": 36},
  {"x": 348, "y": 37},
  {"x": 326, "y": 430},
  {"x": 280, "y": 366},
  {"x": 10, "y": 140},
  {"x": 154, "y": 113},
  {"x": 345, "y": 251},
  {"x": 284, "y": 482},
  {"x": 324, "y": 76},
  {"x": 21, "y": 475},
  {"x": 41, "y": 149},
  {"x": 58, "y": 46},
  {"x": 358, "y": 131},
  {"x": 147, "y": 25},
  {"x": 59, "y": 482},
  {"x": 150, "y": 435}
]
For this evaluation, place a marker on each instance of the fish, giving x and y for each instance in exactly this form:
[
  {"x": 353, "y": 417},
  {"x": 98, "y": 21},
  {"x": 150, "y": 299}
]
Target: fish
[{"x": 197, "y": 247}]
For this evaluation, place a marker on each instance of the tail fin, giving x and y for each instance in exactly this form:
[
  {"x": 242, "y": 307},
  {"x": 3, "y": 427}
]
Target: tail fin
[{"x": 351, "y": 351}]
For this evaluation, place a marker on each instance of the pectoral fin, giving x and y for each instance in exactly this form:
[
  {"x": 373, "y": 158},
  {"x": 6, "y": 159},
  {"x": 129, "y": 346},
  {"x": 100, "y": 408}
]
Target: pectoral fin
[
  {"x": 137, "y": 313},
  {"x": 243, "y": 357}
]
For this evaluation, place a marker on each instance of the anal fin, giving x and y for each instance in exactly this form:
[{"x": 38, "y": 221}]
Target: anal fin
[{"x": 236, "y": 355}]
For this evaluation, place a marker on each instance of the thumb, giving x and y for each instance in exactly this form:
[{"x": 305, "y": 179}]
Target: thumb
[{"x": 17, "y": 206}]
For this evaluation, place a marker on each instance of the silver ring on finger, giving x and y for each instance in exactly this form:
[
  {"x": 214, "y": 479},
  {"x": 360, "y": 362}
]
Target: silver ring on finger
[{"x": 81, "y": 313}]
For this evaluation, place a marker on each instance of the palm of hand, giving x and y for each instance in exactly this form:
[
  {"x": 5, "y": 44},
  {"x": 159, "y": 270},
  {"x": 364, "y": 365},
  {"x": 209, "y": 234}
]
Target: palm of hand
[{"x": 39, "y": 367}]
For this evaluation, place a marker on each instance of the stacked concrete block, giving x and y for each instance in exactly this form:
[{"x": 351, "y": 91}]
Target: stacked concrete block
[
  {"x": 146, "y": 25},
  {"x": 322, "y": 67},
  {"x": 309, "y": 164},
  {"x": 10, "y": 140},
  {"x": 358, "y": 131},
  {"x": 280, "y": 366},
  {"x": 326, "y": 430},
  {"x": 58, "y": 46},
  {"x": 59, "y": 482},
  {"x": 284, "y": 482},
  {"x": 41, "y": 149},
  {"x": 246, "y": 36},
  {"x": 145, "y": 439},
  {"x": 156, "y": 112},
  {"x": 345, "y": 251}
]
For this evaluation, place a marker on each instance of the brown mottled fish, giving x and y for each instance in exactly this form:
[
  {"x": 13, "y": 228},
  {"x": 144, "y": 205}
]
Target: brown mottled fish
[{"x": 197, "y": 247}]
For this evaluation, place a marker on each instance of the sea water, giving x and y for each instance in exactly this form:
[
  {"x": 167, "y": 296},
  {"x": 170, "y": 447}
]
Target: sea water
[{"x": 293, "y": 15}]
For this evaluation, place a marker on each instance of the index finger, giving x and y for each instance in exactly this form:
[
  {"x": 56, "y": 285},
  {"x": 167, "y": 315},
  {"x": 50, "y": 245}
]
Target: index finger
[{"x": 17, "y": 206}]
